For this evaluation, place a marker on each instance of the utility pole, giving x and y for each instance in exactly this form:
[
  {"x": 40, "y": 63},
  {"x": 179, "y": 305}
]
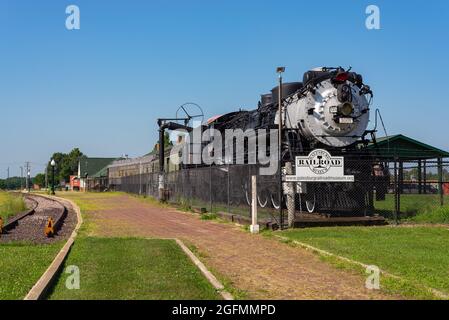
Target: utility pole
[
  {"x": 7, "y": 178},
  {"x": 46, "y": 177},
  {"x": 140, "y": 177},
  {"x": 21, "y": 178}
]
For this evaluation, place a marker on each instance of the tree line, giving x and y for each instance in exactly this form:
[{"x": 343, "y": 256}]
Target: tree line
[{"x": 66, "y": 165}]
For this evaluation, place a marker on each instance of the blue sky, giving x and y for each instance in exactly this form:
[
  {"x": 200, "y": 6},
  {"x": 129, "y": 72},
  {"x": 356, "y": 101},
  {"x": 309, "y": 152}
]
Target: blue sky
[{"x": 102, "y": 87}]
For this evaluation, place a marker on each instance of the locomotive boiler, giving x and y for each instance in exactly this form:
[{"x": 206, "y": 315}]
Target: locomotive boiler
[{"x": 329, "y": 109}]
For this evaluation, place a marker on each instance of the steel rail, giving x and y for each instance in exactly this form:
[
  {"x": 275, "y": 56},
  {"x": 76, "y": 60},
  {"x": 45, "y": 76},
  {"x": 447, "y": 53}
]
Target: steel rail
[{"x": 12, "y": 223}]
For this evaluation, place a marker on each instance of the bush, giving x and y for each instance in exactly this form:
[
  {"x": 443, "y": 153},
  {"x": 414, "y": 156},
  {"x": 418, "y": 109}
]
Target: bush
[{"x": 208, "y": 216}]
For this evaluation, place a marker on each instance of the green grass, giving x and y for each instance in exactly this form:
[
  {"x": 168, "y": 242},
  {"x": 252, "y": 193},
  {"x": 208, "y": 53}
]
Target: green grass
[
  {"x": 411, "y": 205},
  {"x": 132, "y": 268},
  {"x": 10, "y": 204},
  {"x": 208, "y": 216},
  {"x": 21, "y": 265},
  {"x": 436, "y": 215},
  {"x": 417, "y": 254}
]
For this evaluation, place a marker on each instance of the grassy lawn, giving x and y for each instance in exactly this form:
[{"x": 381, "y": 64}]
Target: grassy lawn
[
  {"x": 417, "y": 254},
  {"x": 417, "y": 207},
  {"x": 132, "y": 268},
  {"x": 127, "y": 268},
  {"x": 10, "y": 204},
  {"x": 21, "y": 265}
]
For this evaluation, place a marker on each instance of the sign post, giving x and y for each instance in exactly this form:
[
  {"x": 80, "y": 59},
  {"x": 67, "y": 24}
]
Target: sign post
[{"x": 254, "y": 228}]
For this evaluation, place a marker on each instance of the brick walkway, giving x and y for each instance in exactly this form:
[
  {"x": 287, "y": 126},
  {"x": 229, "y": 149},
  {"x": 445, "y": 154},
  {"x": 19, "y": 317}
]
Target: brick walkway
[{"x": 263, "y": 268}]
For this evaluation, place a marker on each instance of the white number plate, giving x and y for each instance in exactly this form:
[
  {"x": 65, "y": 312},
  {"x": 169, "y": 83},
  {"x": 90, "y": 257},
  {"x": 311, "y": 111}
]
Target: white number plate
[{"x": 346, "y": 120}]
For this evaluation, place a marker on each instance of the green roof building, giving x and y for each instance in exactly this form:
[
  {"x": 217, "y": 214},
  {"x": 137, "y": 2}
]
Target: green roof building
[
  {"x": 405, "y": 148},
  {"x": 92, "y": 168}
]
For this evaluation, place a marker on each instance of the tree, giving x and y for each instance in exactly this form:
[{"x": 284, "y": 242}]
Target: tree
[
  {"x": 70, "y": 164},
  {"x": 39, "y": 179},
  {"x": 167, "y": 143},
  {"x": 12, "y": 183},
  {"x": 58, "y": 157},
  {"x": 66, "y": 164}
]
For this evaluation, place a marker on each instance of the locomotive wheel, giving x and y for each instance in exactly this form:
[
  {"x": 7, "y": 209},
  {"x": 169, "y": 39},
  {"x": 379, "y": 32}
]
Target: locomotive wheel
[
  {"x": 262, "y": 195},
  {"x": 264, "y": 204},
  {"x": 276, "y": 206},
  {"x": 247, "y": 196},
  {"x": 261, "y": 204},
  {"x": 310, "y": 202}
]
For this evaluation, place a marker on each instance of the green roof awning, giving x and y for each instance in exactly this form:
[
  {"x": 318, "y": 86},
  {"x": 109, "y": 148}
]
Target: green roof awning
[{"x": 402, "y": 147}]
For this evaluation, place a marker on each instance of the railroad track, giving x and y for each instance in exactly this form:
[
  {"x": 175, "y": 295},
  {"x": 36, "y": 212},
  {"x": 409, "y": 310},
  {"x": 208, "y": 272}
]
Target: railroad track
[
  {"x": 13, "y": 222},
  {"x": 40, "y": 223}
]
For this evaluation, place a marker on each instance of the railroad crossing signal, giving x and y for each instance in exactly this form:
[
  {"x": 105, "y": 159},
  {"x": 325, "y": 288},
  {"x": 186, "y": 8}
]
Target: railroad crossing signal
[{"x": 49, "y": 228}]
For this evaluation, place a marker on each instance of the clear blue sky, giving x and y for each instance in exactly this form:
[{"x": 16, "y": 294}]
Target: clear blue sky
[{"x": 102, "y": 87}]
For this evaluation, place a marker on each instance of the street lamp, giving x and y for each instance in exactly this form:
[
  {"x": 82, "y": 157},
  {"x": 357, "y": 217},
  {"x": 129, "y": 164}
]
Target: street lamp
[
  {"x": 53, "y": 164},
  {"x": 29, "y": 180},
  {"x": 279, "y": 71}
]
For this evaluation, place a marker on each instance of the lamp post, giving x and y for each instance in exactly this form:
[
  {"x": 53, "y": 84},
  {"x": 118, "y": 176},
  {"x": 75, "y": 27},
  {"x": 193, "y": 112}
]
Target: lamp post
[
  {"x": 280, "y": 70},
  {"x": 53, "y": 164},
  {"x": 29, "y": 180}
]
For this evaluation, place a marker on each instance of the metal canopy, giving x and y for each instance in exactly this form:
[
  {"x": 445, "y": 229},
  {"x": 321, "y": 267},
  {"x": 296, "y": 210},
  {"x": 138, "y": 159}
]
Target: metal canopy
[{"x": 402, "y": 147}]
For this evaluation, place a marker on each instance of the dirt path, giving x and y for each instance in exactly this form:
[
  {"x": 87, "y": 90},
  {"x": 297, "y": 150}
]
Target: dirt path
[{"x": 262, "y": 267}]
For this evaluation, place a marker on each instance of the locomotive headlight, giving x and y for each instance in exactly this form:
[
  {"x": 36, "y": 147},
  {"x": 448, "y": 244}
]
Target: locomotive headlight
[{"x": 346, "y": 109}]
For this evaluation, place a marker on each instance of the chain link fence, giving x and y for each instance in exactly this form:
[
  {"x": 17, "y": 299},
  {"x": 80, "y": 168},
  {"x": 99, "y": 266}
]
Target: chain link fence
[
  {"x": 416, "y": 190},
  {"x": 393, "y": 189}
]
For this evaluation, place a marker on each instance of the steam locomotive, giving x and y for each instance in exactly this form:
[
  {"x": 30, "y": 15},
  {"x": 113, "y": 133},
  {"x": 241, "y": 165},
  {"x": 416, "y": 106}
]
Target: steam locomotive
[{"x": 328, "y": 110}]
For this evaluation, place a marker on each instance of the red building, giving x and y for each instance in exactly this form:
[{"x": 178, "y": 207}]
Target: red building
[{"x": 74, "y": 183}]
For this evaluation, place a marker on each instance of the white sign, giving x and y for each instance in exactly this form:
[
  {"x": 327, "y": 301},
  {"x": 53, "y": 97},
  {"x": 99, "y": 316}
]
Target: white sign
[{"x": 320, "y": 166}]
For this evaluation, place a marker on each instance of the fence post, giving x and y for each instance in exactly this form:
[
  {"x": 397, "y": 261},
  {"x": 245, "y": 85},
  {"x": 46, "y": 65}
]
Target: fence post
[
  {"x": 419, "y": 177},
  {"x": 396, "y": 192},
  {"x": 290, "y": 196},
  {"x": 440, "y": 181},
  {"x": 228, "y": 191},
  {"x": 210, "y": 188},
  {"x": 254, "y": 228},
  {"x": 425, "y": 176},
  {"x": 140, "y": 178},
  {"x": 401, "y": 177}
]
